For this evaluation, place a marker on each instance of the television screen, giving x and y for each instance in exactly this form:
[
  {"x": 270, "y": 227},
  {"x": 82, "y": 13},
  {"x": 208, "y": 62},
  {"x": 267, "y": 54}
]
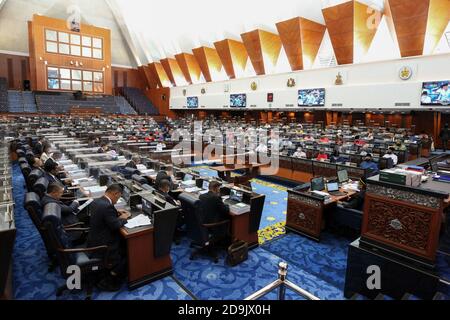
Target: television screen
[
  {"x": 192, "y": 102},
  {"x": 311, "y": 98},
  {"x": 435, "y": 93},
  {"x": 238, "y": 100}
]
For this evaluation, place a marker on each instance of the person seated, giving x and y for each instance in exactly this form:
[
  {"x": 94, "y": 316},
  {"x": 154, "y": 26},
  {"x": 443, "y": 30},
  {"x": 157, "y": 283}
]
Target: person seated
[
  {"x": 160, "y": 146},
  {"x": 399, "y": 145},
  {"x": 37, "y": 164},
  {"x": 69, "y": 213},
  {"x": 105, "y": 224},
  {"x": 299, "y": 154},
  {"x": 364, "y": 150},
  {"x": 390, "y": 155},
  {"x": 322, "y": 156},
  {"x": 337, "y": 158},
  {"x": 214, "y": 209},
  {"x": 51, "y": 172},
  {"x": 164, "y": 175},
  {"x": 164, "y": 189},
  {"x": 103, "y": 148},
  {"x": 45, "y": 152},
  {"x": 93, "y": 142},
  {"x": 38, "y": 147},
  {"x": 324, "y": 139},
  {"x": 369, "y": 164},
  {"x": 356, "y": 202},
  {"x": 133, "y": 163},
  {"x": 359, "y": 142},
  {"x": 262, "y": 148}
]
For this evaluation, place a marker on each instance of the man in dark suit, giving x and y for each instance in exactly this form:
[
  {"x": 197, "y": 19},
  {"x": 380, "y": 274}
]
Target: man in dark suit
[
  {"x": 163, "y": 175},
  {"x": 214, "y": 210},
  {"x": 133, "y": 163},
  {"x": 164, "y": 189},
  {"x": 103, "y": 149},
  {"x": 105, "y": 225},
  {"x": 51, "y": 172},
  {"x": 38, "y": 147},
  {"x": 68, "y": 213}
]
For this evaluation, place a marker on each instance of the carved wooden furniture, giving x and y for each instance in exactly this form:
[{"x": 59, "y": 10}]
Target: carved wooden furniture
[{"x": 403, "y": 220}]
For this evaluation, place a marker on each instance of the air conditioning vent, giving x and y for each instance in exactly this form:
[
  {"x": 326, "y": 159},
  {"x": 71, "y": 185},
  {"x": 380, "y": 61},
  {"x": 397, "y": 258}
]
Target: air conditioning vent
[
  {"x": 290, "y": 105},
  {"x": 400, "y": 104},
  {"x": 337, "y": 105}
]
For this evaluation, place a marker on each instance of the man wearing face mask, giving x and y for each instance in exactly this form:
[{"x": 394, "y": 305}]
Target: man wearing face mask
[
  {"x": 390, "y": 155},
  {"x": 369, "y": 164}
]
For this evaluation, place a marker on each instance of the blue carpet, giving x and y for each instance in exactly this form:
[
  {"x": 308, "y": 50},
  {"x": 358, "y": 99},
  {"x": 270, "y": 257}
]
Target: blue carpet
[
  {"x": 209, "y": 281},
  {"x": 32, "y": 281}
]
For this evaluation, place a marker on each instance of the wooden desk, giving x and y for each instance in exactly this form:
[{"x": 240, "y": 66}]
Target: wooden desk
[
  {"x": 143, "y": 267},
  {"x": 252, "y": 171},
  {"x": 305, "y": 212}
]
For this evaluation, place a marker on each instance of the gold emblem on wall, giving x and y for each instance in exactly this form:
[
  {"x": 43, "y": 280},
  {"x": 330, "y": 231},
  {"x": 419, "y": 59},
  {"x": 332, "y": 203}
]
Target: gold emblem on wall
[
  {"x": 406, "y": 73},
  {"x": 339, "y": 80},
  {"x": 184, "y": 92},
  {"x": 254, "y": 86},
  {"x": 203, "y": 91},
  {"x": 291, "y": 83}
]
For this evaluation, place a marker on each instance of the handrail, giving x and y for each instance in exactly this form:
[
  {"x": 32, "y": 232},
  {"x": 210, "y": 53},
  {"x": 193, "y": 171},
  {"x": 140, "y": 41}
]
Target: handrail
[{"x": 281, "y": 283}]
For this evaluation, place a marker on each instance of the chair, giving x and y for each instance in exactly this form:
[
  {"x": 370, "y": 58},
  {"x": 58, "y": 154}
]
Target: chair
[
  {"x": 26, "y": 169},
  {"x": 139, "y": 179},
  {"x": 33, "y": 177},
  {"x": 68, "y": 256},
  {"x": 349, "y": 219},
  {"x": 40, "y": 187},
  {"x": 34, "y": 207},
  {"x": 198, "y": 232}
]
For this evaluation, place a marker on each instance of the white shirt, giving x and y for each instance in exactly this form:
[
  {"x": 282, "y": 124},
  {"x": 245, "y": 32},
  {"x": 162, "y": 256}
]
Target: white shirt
[
  {"x": 393, "y": 157},
  {"x": 44, "y": 157},
  {"x": 261, "y": 148},
  {"x": 299, "y": 154}
]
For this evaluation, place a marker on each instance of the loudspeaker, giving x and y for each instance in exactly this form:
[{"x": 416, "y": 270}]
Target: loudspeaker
[{"x": 26, "y": 85}]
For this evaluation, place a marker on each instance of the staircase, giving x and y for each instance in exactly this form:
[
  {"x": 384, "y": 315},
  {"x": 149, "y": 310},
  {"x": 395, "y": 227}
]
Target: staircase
[
  {"x": 139, "y": 101},
  {"x": 125, "y": 107},
  {"x": 3, "y": 95},
  {"x": 21, "y": 101}
]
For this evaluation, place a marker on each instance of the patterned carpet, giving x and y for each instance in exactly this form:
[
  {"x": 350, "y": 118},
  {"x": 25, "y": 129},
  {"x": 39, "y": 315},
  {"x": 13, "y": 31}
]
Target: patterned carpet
[{"x": 317, "y": 267}]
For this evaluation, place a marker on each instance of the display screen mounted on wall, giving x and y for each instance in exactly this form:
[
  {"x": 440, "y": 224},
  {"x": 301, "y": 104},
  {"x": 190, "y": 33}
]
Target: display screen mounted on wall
[
  {"x": 435, "y": 93},
  {"x": 192, "y": 102},
  {"x": 238, "y": 100},
  {"x": 311, "y": 98}
]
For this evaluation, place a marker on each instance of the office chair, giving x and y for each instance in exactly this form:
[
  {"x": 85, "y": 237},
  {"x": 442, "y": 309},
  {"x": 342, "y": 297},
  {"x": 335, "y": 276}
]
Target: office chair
[
  {"x": 347, "y": 220},
  {"x": 34, "y": 208},
  {"x": 22, "y": 160},
  {"x": 40, "y": 186},
  {"x": 139, "y": 179},
  {"x": 198, "y": 232},
  {"x": 67, "y": 255},
  {"x": 26, "y": 169},
  {"x": 33, "y": 177}
]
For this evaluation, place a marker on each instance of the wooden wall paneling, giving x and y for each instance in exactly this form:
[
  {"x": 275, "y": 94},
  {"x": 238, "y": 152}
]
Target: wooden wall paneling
[
  {"x": 189, "y": 66},
  {"x": 116, "y": 79},
  {"x": 271, "y": 46},
  {"x": 224, "y": 52},
  {"x": 365, "y": 26},
  {"x": 339, "y": 22},
  {"x": 39, "y": 54},
  {"x": 176, "y": 72},
  {"x": 408, "y": 20},
  {"x": 167, "y": 68},
  {"x": 438, "y": 18},
  {"x": 312, "y": 34},
  {"x": 125, "y": 78},
  {"x": 151, "y": 79},
  {"x": 252, "y": 44},
  {"x": 200, "y": 56},
  {"x": 10, "y": 67},
  {"x": 32, "y": 59},
  {"x": 161, "y": 99},
  {"x": 291, "y": 38},
  {"x": 15, "y": 69}
]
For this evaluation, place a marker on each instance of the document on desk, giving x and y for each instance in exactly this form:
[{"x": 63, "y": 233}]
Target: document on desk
[{"x": 139, "y": 221}]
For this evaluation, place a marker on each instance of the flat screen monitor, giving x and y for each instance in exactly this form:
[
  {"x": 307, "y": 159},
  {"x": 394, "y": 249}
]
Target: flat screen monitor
[
  {"x": 311, "y": 98},
  {"x": 192, "y": 102},
  {"x": 333, "y": 186},
  {"x": 188, "y": 177},
  {"x": 435, "y": 93},
  {"x": 146, "y": 207},
  {"x": 126, "y": 194},
  {"x": 238, "y": 100},
  {"x": 205, "y": 185},
  {"x": 342, "y": 176},
  {"x": 434, "y": 166},
  {"x": 318, "y": 184},
  {"x": 236, "y": 195}
]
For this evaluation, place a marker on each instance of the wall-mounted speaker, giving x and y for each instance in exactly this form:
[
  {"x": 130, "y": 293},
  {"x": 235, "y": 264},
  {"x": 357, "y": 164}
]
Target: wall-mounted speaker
[{"x": 26, "y": 85}]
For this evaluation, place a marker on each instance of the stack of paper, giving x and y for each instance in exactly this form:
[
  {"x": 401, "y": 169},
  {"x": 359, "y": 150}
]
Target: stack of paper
[{"x": 140, "y": 221}]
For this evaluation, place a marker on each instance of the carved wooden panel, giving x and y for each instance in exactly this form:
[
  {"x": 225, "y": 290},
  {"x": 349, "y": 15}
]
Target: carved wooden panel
[
  {"x": 326, "y": 170},
  {"x": 402, "y": 226},
  {"x": 304, "y": 215}
]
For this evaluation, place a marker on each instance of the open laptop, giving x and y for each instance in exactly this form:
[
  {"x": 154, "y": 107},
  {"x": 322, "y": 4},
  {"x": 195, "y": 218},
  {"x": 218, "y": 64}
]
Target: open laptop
[
  {"x": 333, "y": 189},
  {"x": 236, "y": 196}
]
